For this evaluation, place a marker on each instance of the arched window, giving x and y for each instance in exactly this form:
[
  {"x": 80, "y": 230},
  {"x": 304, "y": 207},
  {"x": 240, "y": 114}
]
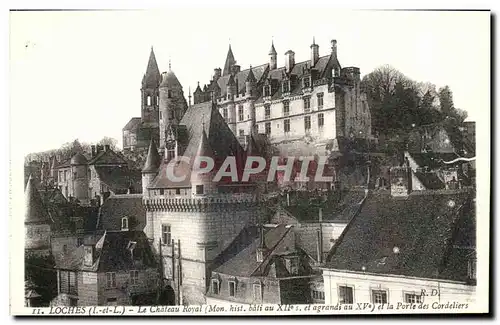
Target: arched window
[
  {"x": 124, "y": 223},
  {"x": 148, "y": 100}
]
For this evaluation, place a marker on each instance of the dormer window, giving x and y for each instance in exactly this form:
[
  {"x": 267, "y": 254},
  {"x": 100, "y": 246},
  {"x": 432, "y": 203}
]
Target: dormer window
[
  {"x": 307, "y": 82},
  {"x": 286, "y": 86},
  {"x": 267, "y": 90},
  {"x": 292, "y": 264},
  {"x": 125, "y": 224}
]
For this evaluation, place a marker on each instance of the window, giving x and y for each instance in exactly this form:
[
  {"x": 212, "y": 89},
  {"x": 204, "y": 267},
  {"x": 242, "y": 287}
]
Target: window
[
  {"x": 257, "y": 291},
  {"x": 215, "y": 286},
  {"x": 166, "y": 234},
  {"x": 157, "y": 99},
  {"x": 379, "y": 296},
  {"x": 320, "y": 295},
  {"x": 286, "y": 86},
  {"x": 307, "y": 104},
  {"x": 170, "y": 154},
  {"x": 321, "y": 120},
  {"x": 124, "y": 223},
  {"x": 286, "y": 108},
  {"x": 232, "y": 288},
  {"x": 134, "y": 277},
  {"x": 320, "y": 100},
  {"x": 199, "y": 189},
  {"x": 413, "y": 298},
  {"x": 161, "y": 115},
  {"x": 178, "y": 191},
  {"x": 293, "y": 266},
  {"x": 67, "y": 282},
  {"x": 162, "y": 191},
  {"x": 242, "y": 133},
  {"x": 267, "y": 112},
  {"x": 346, "y": 295},
  {"x": 224, "y": 113},
  {"x": 171, "y": 115},
  {"x": 307, "y": 123},
  {"x": 111, "y": 280},
  {"x": 307, "y": 82},
  {"x": 267, "y": 91},
  {"x": 268, "y": 128},
  {"x": 240, "y": 113},
  {"x": 148, "y": 100},
  {"x": 169, "y": 94},
  {"x": 287, "y": 125},
  {"x": 79, "y": 241}
]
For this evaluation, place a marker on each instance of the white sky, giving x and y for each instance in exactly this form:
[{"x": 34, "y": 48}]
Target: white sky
[{"x": 78, "y": 74}]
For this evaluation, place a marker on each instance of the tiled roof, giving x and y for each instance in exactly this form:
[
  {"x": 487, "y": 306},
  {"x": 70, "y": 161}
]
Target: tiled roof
[
  {"x": 118, "y": 206},
  {"x": 112, "y": 254},
  {"x": 132, "y": 124},
  {"x": 402, "y": 236},
  {"x": 120, "y": 179}
]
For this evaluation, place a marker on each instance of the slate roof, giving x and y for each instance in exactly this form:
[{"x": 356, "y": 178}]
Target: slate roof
[
  {"x": 241, "y": 77},
  {"x": 112, "y": 255},
  {"x": 116, "y": 207},
  {"x": 120, "y": 179},
  {"x": 230, "y": 61},
  {"x": 133, "y": 124},
  {"x": 108, "y": 157},
  {"x": 35, "y": 209},
  {"x": 153, "y": 160},
  {"x": 245, "y": 262},
  {"x": 152, "y": 76},
  {"x": 403, "y": 236}
]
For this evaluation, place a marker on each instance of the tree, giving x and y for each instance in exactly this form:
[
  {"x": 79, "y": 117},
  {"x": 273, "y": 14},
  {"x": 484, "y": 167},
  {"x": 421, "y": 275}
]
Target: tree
[
  {"x": 112, "y": 142},
  {"x": 446, "y": 100}
]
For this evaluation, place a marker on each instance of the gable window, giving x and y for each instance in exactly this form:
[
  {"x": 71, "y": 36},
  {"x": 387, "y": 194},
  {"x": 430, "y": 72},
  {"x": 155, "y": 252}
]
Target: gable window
[
  {"x": 286, "y": 108},
  {"x": 307, "y": 82},
  {"x": 307, "y": 104},
  {"x": 240, "y": 113},
  {"x": 267, "y": 91},
  {"x": 268, "y": 128},
  {"x": 232, "y": 288},
  {"x": 134, "y": 277},
  {"x": 346, "y": 295},
  {"x": 267, "y": 112},
  {"x": 166, "y": 234},
  {"x": 224, "y": 113},
  {"x": 199, "y": 189},
  {"x": 320, "y": 100},
  {"x": 379, "y": 296},
  {"x": 257, "y": 291},
  {"x": 286, "y": 125},
  {"x": 215, "y": 286},
  {"x": 124, "y": 223},
  {"x": 307, "y": 123},
  {"x": 321, "y": 120},
  {"x": 111, "y": 280},
  {"x": 286, "y": 86},
  {"x": 413, "y": 298}
]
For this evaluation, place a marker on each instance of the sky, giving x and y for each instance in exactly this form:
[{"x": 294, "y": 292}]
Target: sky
[{"x": 77, "y": 75}]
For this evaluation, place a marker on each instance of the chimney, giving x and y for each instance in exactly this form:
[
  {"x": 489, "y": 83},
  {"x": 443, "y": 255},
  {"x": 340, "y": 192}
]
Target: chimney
[
  {"x": 261, "y": 249},
  {"x": 235, "y": 69},
  {"x": 106, "y": 147},
  {"x": 314, "y": 53},
  {"x": 217, "y": 73},
  {"x": 334, "y": 47},
  {"x": 289, "y": 60},
  {"x": 93, "y": 150}
]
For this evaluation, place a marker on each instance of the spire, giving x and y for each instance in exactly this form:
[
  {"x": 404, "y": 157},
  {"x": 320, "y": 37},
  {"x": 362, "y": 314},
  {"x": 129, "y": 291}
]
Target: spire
[
  {"x": 251, "y": 76},
  {"x": 272, "y": 51},
  {"x": 35, "y": 210},
  {"x": 152, "y": 77},
  {"x": 230, "y": 61},
  {"x": 153, "y": 160}
]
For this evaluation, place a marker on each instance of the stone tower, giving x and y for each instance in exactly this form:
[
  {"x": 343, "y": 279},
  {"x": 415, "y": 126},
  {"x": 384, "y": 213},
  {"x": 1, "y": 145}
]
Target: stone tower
[
  {"x": 151, "y": 166},
  {"x": 172, "y": 103},
  {"x": 80, "y": 178},
  {"x": 36, "y": 222},
  {"x": 150, "y": 92}
]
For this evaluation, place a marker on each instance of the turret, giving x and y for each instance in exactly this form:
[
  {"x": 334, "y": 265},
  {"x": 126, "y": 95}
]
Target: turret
[
  {"x": 36, "y": 222},
  {"x": 231, "y": 87},
  {"x": 250, "y": 83},
  {"x": 80, "y": 178},
  {"x": 314, "y": 53},
  {"x": 151, "y": 167},
  {"x": 202, "y": 183},
  {"x": 272, "y": 58}
]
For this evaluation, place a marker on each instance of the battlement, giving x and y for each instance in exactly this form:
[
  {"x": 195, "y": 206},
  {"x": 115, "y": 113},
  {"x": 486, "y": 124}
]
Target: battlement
[{"x": 214, "y": 202}]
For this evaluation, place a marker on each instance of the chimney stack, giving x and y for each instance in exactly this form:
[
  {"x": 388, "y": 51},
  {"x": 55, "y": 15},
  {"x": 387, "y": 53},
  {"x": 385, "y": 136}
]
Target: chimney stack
[
  {"x": 217, "y": 73},
  {"x": 235, "y": 69},
  {"x": 314, "y": 53},
  {"x": 93, "y": 150},
  {"x": 106, "y": 147},
  {"x": 334, "y": 47},
  {"x": 289, "y": 60}
]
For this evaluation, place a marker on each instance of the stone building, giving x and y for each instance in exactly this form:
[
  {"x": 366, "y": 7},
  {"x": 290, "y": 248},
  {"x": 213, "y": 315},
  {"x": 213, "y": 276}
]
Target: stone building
[
  {"x": 406, "y": 246},
  {"x": 37, "y": 222},
  {"x": 162, "y": 103},
  {"x": 193, "y": 220},
  {"x": 113, "y": 268},
  {"x": 301, "y": 106}
]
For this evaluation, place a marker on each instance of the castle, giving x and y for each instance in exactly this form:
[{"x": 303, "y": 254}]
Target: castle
[{"x": 302, "y": 107}]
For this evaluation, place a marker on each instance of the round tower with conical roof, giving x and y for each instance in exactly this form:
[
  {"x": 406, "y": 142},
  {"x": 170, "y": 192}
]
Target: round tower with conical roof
[
  {"x": 151, "y": 166},
  {"x": 36, "y": 222},
  {"x": 173, "y": 105},
  {"x": 79, "y": 177}
]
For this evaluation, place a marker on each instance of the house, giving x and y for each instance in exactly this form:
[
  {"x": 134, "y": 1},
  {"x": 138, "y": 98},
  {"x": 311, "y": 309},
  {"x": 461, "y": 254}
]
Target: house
[
  {"x": 270, "y": 269},
  {"x": 122, "y": 212},
  {"x": 406, "y": 246},
  {"x": 110, "y": 268}
]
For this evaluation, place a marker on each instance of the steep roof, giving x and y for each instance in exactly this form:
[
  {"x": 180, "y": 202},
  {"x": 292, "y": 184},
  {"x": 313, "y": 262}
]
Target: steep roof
[
  {"x": 133, "y": 124},
  {"x": 78, "y": 159},
  {"x": 240, "y": 77},
  {"x": 230, "y": 61},
  {"x": 272, "y": 51},
  {"x": 403, "y": 236},
  {"x": 36, "y": 211},
  {"x": 120, "y": 179},
  {"x": 108, "y": 157},
  {"x": 152, "y": 77},
  {"x": 118, "y": 206},
  {"x": 170, "y": 80},
  {"x": 112, "y": 253},
  {"x": 153, "y": 159}
]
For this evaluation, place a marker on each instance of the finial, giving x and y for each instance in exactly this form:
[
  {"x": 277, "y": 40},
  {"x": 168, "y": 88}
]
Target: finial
[
  {"x": 314, "y": 40},
  {"x": 169, "y": 64}
]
